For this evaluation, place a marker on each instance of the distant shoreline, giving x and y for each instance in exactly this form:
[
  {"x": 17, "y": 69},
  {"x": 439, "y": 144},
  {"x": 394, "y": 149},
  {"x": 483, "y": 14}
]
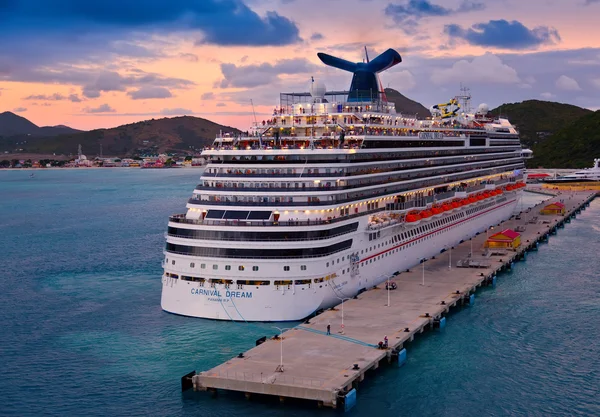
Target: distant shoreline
[{"x": 88, "y": 168}]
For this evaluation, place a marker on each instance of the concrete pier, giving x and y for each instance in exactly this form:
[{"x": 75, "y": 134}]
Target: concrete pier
[{"x": 328, "y": 368}]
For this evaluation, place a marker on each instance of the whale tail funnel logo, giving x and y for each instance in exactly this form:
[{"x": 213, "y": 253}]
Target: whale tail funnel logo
[{"x": 365, "y": 84}]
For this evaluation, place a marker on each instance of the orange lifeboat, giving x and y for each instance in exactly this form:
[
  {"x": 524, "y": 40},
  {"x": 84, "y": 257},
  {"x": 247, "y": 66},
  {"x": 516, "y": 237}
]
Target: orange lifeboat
[
  {"x": 447, "y": 207},
  {"x": 412, "y": 218},
  {"x": 472, "y": 200},
  {"x": 426, "y": 214},
  {"x": 437, "y": 211},
  {"x": 479, "y": 197},
  {"x": 455, "y": 204}
]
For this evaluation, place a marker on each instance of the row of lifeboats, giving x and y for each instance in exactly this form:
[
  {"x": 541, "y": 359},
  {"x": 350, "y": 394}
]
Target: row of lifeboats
[{"x": 437, "y": 211}]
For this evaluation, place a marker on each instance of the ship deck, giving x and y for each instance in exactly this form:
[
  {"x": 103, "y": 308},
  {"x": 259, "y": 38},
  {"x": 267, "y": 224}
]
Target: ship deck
[{"x": 326, "y": 368}]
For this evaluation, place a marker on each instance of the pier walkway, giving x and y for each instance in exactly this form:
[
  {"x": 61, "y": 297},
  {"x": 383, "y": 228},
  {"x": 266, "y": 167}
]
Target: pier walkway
[{"x": 326, "y": 368}]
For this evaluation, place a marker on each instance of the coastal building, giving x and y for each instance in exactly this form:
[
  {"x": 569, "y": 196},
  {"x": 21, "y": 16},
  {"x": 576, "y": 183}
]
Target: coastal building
[
  {"x": 506, "y": 239},
  {"x": 553, "y": 208}
]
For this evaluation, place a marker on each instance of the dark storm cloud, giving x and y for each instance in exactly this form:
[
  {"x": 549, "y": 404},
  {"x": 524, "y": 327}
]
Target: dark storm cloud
[
  {"x": 503, "y": 34},
  {"x": 407, "y": 14},
  {"x": 41, "y": 41}
]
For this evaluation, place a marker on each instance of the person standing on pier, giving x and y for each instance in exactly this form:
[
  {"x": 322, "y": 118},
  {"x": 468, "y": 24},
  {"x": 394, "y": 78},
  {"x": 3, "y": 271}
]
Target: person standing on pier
[{"x": 329, "y": 329}]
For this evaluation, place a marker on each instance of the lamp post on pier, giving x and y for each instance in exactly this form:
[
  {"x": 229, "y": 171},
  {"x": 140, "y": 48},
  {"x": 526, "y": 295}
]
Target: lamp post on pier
[
  {"x": 449, "y": 249},
  {"x": 343, "y": 299},
  {"x": 422, "y": 260},
  {"x": 388, "y": 290},
  {"x": 281, "y": 329}
]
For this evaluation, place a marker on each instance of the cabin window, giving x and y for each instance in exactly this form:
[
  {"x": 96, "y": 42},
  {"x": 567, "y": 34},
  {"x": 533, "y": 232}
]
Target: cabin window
[{"x": 286, "y": 268}]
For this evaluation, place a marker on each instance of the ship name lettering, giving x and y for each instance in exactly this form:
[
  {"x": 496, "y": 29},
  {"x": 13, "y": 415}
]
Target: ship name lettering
[
  {"x": 202, "y": 291},
  {"x": 216, "y": 294},
  {"x": 239, "y": 294},
  {"x": 431, "y": 135}
]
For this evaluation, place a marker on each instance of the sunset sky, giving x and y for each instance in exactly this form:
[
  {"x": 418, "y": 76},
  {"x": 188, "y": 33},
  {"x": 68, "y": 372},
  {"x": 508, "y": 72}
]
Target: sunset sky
[{"x": 90, "y": 64}]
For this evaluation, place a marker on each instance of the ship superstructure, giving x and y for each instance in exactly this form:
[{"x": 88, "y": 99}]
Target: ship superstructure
[{"x": 330, "y": 196}]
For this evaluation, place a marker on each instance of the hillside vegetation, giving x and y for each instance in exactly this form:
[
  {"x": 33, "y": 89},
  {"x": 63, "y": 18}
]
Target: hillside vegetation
[
  {"x": 150, "y": 136},
  {"x": 537, "y": 120},
  {"x": 405, "y": 105},
  {"x": 574, "y": 146},
  {"x": 13, "y": 125}
]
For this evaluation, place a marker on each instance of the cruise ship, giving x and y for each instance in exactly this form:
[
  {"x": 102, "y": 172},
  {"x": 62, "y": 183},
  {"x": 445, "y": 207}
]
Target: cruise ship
[{"x": 331, "y": 196}]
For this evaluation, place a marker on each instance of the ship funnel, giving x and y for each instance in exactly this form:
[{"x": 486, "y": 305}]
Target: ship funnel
[{"x": 365, "y": 85}]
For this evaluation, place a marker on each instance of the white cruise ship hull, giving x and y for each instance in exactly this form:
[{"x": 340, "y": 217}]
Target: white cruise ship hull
[{"x": 342, "y": 278}]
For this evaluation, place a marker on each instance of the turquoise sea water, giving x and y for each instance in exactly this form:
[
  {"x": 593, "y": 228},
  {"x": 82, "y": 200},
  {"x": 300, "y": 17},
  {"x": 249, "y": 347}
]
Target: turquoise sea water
[{"x": 83, "y": 332}]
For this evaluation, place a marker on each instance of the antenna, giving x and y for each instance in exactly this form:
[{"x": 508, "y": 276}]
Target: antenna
[
  {"x": 465, "y": 98},
  {"x": 100, "y": 151},
  {"x": 366, "y": 54},
  {"x": 252, "y": 103}
]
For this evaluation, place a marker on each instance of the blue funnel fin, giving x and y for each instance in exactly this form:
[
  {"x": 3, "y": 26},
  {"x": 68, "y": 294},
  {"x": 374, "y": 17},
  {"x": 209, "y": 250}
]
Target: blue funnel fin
[
  {"x": 336, "y": 62},
  {"x": 365, "y": 85},
  {"x": 384, "y": 61}
]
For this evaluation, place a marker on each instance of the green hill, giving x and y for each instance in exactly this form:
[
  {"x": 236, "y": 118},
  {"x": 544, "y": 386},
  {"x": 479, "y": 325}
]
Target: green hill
[
  {"x": 14, "y": 125},
  {"x": 538, "y": 120},
  {"x": 150, "y": 136},
  {"x": 405, "y": 105},
  {"x": 573, "y": 146}
]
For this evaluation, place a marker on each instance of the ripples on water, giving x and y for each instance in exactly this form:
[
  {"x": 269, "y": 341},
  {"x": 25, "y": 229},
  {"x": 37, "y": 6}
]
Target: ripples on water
[{"x": 83, "y": 332}]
